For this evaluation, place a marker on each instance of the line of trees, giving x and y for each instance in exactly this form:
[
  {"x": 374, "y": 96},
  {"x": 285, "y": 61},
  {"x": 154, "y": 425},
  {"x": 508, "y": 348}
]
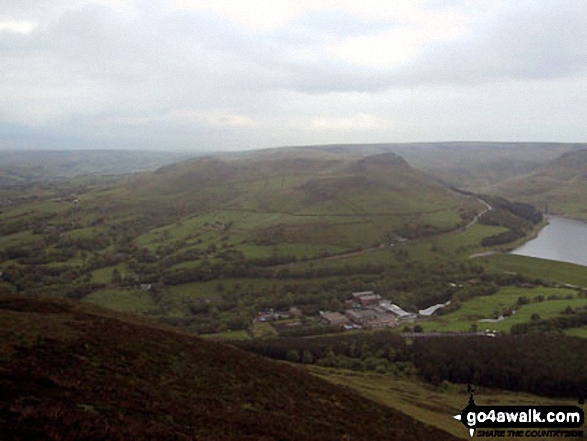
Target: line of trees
[{"x": 546, "y": 364}]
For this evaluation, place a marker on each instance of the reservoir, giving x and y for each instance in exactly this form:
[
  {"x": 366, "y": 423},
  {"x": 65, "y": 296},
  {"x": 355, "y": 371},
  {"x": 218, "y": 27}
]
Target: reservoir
[{"x": 562, "y": 239}]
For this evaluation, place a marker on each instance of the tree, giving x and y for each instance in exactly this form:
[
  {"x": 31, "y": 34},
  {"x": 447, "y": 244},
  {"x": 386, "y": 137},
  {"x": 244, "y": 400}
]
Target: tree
[
  {"x": 292, "y": 356},
  {"x": 307, "y": 357},
  {"x": 116, "y": 276}
]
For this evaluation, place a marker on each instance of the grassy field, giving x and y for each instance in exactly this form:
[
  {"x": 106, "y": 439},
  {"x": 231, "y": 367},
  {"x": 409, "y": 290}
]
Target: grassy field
[
  {"x": 16, "y": 238},
  {"x": 104, "y": 275},
  {"x": 577, "y": 332},
  {"x": 560, "y": 272},
  {"x": 228, "y": 336},
  {"x": 428, "y": 404},
  {"x": 468, "y": 239},
  {"x": 135, "y": 301},
  {"x": 33, "y": 208},
  {"x": 491, "y": 307},
  {"x": 263, "y": 330}
]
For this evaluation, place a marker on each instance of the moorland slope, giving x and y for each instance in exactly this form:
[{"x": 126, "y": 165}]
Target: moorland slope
[{"x": 70, "y": 372}]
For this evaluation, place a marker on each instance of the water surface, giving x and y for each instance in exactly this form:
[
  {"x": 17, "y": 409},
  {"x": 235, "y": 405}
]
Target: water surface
[{"x": 562, "y": 239}]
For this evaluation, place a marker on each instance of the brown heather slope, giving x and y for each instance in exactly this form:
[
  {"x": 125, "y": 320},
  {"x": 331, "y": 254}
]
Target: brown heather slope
[{"x": 70, "y": 372}]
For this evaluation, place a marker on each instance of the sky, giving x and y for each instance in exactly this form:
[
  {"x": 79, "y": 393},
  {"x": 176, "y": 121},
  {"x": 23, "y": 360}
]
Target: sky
[{"x": 235, "y": 74}]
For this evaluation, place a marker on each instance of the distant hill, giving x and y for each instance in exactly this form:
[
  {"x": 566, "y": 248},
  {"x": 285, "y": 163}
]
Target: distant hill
[
  {"x": 72, "y": 372},
  {"x": 468, "y": 165},
  {"x": 18, "y": 167},
  {"x": 303, "y": 195},
  {"x": 471, "y": 165},
  {"x": 561, "y": 185}
]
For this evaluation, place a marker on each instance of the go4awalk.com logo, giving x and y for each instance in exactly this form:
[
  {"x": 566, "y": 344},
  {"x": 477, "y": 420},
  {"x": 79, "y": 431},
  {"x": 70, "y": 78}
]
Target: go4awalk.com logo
[{"x": 518, "y": 421}]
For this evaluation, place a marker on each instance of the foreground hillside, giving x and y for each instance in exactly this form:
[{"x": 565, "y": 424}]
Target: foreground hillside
[
  {"x": 73, "y": 372},
  {"x": 561, "y": 185}
]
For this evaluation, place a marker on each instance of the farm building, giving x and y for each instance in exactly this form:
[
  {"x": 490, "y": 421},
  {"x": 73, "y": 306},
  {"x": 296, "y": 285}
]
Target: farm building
[
  {"x": 399, "y": 313},
  {"x": 366, "y": 298},
  {"x": 334, "y": 318}
]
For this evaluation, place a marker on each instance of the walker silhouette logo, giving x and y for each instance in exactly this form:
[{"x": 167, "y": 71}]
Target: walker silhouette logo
[{"x": 546, "y": 421}]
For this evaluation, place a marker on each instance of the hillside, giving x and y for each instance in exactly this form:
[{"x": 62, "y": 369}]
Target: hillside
[
  {"x": 208, "y": 243},
  {"x": 561, "y": 185},
  {"x": 74, "y": 372},
  {"x": 468, "y": 165},
  {"x": 300, "y": 196}
]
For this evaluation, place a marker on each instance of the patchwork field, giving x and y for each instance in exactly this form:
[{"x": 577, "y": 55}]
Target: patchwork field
[{"x": 545, "y": 302}]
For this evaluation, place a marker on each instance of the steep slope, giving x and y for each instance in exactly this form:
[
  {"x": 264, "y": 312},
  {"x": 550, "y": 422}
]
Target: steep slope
[
  {"x": 561, "y": 185},
  {"x": 70, "y": 372}
]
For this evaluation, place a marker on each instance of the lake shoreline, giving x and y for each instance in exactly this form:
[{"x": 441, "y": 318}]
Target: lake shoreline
[{"x": 564, "y": 241}]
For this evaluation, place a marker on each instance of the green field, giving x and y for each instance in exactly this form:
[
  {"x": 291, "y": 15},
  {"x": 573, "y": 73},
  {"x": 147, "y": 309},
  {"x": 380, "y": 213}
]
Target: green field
[
  {"x": 468, "y": 239},
  {"x": 577, "y": 332},
  {"x": 228, "y": 336},
  {"x": 491, "y": 307},
  {"x": 104, "y": 275},
  {"x": 135, "y": 301},
  {"x": 559, "y": 272}
]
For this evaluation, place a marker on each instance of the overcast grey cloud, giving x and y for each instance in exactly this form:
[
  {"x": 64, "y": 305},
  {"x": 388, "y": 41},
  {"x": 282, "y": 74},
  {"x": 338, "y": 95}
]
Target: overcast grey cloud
[{"x": 226, "y": 74}]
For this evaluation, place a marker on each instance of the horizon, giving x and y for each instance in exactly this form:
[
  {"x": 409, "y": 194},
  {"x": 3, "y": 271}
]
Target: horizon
[
  {"x": 186, "y": 150},
  {"x": 173, "y": 75}
]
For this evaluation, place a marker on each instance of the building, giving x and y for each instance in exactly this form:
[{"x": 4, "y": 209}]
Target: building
[
  {"x": 361, "y": 317},
  {"x": 334, "y": 318},
  {"x": 366, "y": 298},
  {"x": 399, "y": 313},
  {"x": 370, "y": 318}
]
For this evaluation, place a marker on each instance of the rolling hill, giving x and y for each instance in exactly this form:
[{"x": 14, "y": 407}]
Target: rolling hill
[
  {"x": 70, "y": 371},
  {"x": 300, "y": 196},
  {"x": 468, "y": 165},
  {"x": 561, "y": 185}
]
